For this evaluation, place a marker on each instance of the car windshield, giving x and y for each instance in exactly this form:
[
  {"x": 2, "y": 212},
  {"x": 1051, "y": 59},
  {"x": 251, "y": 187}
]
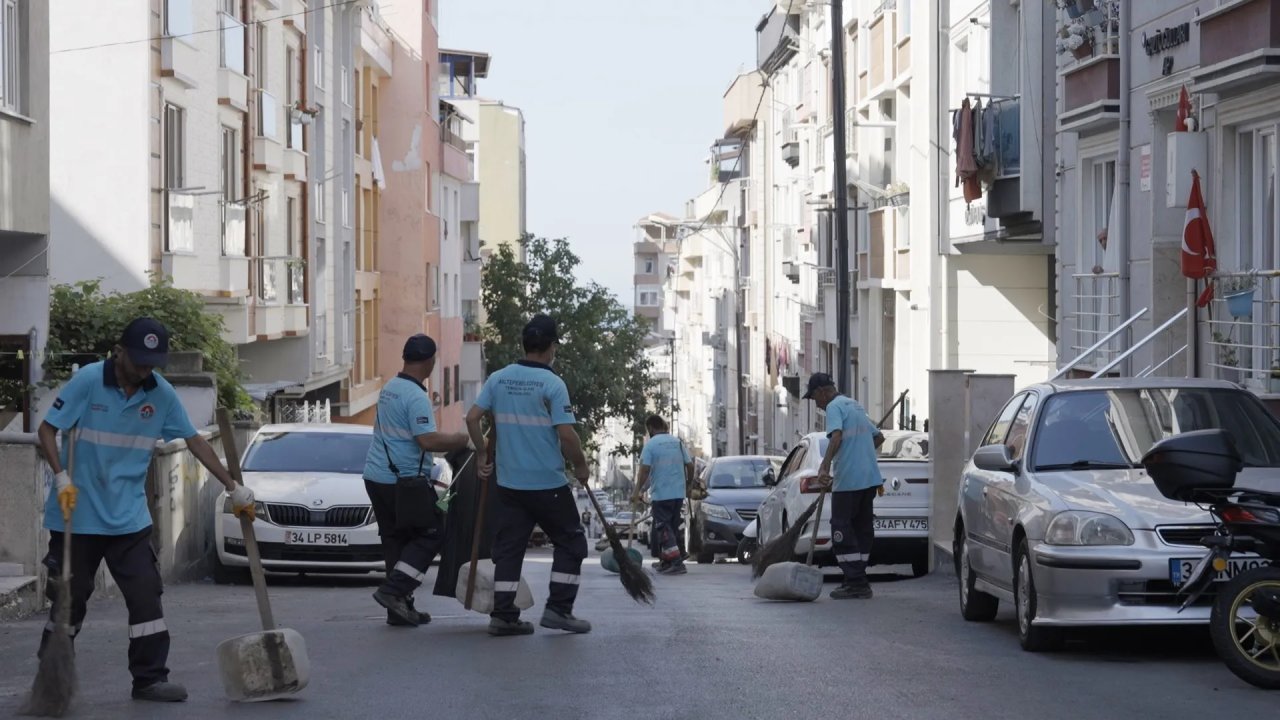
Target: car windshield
[
  {"x": 741, "y": 472},
  {"x": 1115, "y": 428},
  {"x": 905, "y": 445},
  {"x": 308, "y": 452}
]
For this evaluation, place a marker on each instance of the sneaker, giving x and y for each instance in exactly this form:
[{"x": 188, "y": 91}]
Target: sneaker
[
  {"x": 675, "y": 569},
  {"x": 161, "y": 692},
  {"x": 556, "y": 620},
  {"x": 397, "y": 607},
  {"x": 501, "y": 628},
  {"x": 852, "y": 592}
]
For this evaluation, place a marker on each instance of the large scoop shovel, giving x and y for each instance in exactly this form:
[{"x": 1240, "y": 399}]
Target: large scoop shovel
[{"x": 265, "y": 665}]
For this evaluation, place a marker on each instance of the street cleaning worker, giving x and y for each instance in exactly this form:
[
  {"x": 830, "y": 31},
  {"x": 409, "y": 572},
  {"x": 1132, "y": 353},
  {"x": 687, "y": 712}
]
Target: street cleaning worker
[
  {"x": 666, "y": 463},
  {"x": 530, "y": 406},
  {"x": 121, "y": 409},
  {"x": 851, "y": 451},
  {"x": 399, "y": 474}
]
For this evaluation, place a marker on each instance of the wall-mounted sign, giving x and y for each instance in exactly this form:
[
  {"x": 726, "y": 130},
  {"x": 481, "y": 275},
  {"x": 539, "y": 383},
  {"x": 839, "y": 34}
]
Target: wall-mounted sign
[
  {"x": 1166, "y": 38},
  {"x": 1144, "y": 168}
]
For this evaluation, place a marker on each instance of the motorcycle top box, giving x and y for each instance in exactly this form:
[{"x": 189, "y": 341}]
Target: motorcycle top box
[{"x": 1193, "y": 461}]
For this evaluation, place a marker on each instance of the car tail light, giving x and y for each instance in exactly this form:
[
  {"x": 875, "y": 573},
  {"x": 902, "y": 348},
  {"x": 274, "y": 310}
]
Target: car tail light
[
  {"x": 1237, "y": 514},
  {"x": 811, "y": 485}
]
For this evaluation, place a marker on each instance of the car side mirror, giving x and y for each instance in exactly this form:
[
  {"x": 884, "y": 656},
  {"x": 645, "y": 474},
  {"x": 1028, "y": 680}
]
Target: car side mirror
[
  {"x": 769, "y": 478},
  {"x": 994, "y": 458}
]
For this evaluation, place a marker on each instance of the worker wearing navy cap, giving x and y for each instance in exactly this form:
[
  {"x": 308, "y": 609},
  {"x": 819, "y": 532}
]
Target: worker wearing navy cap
[
  {"x": 398, "y": 475},
  {"x": 535, "y": 436},
  {"x": 120, "y": 409},
  {"x": 852, "y": 459}
]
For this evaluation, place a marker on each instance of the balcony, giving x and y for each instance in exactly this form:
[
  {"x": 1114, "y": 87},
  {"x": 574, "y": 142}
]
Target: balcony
[
  {"x": 233, "y": 86},
  {"x": 472, "y": 361},
  {"x": 1096, "y": 314},
  {"x": 294, "y": 13},
  {"x": 1239, "y": 47},
  {"x": 740, "y": 103},
  {"x": 1243, "y": 338},
  {"x": 178, "y": 58},
  {"x": 268, "y": 154},
  {"x": 179, "y": 260},
  {"x": 791, "y": 153},
  {"x": 1091, "y": 95}
]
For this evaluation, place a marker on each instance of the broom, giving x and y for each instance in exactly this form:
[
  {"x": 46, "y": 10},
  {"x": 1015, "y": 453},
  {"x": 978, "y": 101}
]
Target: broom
[
  {"x": 633, "y": 577},
  {"x": 783, "y": 547},
  {"x": 55, "y": 683}
]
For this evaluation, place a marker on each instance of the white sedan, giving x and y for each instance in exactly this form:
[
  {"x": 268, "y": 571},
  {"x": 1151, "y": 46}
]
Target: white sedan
[{"x": 313, "y": 514}]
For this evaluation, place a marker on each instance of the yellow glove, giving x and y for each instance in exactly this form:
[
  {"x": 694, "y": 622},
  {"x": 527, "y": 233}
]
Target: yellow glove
[
  {"x": 66, "y": 493},
  {"x": 880, "y": 490},
  {"x": 242, "y": 502}
]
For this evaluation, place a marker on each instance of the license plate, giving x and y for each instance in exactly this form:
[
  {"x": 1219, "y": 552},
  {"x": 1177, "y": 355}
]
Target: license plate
[
  {"x": 902, "y": 524},
  {"x": 293, "y": 537},
  {"x": 1180, "y": 569}
]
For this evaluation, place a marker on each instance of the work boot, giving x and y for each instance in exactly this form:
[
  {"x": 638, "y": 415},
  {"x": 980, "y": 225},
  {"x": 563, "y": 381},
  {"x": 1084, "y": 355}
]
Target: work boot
[
  {"x": 161, "y": 692},
  {"x": 556, "y": 620},
  {"x": 673, "y": 569},
  {"x": 852, "y": 591},
  {"x": 397, "y": 607},
  {"x": 502, "y": 628},
  {"x": 658, "y": 565},
  {"x": 422, "y": 617}
]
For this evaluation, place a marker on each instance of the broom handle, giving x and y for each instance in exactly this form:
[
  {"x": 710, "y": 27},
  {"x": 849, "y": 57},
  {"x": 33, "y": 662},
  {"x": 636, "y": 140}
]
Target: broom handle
[
  {"x": 246, "y": 525},
  {"x": 64, "y": 615},
  {"x": 479, "y": 531},
  {"x": 817, "y": 520}
]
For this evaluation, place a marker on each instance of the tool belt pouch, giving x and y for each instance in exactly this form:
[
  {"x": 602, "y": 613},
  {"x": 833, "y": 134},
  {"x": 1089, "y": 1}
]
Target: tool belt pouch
[{"x": 416, "y": 509}]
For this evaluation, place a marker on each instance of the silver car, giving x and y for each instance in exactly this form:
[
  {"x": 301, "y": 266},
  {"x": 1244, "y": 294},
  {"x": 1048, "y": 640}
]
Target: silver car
[{"x": 1057, "y": 516}]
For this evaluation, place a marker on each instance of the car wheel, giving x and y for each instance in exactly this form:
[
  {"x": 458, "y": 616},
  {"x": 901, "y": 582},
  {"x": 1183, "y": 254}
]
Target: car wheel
[
  {"x": 1033, "y": 638},
  {"x": 975, "y": 605},
  {"x": 225, "y": 575},
  {"x": 920, "y": 566}
]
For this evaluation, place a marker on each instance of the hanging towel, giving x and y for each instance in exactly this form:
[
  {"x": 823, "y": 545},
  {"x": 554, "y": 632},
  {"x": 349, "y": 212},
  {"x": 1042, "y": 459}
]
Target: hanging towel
[
  {"x": 966, "y": 165},
  {"x": 978, "y": 140}
]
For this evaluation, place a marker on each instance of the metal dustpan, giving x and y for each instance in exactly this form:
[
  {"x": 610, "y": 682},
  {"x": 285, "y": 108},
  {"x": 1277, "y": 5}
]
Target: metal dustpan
[{"x": 265, "y": 665}]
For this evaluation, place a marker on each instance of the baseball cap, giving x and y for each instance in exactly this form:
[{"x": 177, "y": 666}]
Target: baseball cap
[
  {"x": 418, "y": 348},
  {"x": 817, "y": 381},
  {"x": 541, "y": 326},
  {"x": 147, "y": 342}
]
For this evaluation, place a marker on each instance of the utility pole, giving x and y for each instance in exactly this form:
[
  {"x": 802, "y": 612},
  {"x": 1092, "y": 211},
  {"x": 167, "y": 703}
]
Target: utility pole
[{"x": 840, "y": 218}]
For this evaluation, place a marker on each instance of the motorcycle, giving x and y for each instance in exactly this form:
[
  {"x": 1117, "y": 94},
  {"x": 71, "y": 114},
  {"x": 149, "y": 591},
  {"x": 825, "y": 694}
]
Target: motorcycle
[{"x": 1201, "y": 467}]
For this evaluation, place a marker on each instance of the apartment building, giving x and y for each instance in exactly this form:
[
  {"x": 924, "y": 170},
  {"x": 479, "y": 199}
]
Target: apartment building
[
  {"x": 231, "y": 171},
  {"x": 24, "y": 206}
]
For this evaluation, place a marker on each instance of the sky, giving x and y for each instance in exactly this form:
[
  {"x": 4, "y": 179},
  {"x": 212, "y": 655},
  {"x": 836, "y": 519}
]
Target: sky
[{"x": 622, "y": 100}]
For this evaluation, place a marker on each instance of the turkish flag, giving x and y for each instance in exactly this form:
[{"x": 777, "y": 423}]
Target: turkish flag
[
  {"x": 1184, "y": 111},
  {"x": 1199, "y": 257}
]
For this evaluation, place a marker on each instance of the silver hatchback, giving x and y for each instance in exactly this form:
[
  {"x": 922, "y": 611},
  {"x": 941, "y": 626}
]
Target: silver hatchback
[{"x": 1057, "y": 516}]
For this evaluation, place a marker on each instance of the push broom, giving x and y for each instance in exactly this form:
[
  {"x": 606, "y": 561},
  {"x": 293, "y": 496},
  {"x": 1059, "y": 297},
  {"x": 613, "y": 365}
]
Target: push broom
[{"x": 634, "y": 579}]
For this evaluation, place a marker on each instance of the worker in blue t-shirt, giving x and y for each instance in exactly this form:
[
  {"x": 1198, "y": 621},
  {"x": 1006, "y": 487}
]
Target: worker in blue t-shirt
[
  {"x": 853, "y": 460},
  {"x": 399, "y": 478},
  {"x": 666, "y": 464},
  {"x": 118, "y": 409},
  {"x": 529, "y": 406}
]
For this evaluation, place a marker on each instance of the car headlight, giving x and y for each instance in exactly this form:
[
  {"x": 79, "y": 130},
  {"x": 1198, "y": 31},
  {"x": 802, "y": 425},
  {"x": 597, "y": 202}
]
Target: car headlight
[
  {"x": 259, "y": 510},
  {"x": 1080, "y": 527},
  {"x": 718, "y": 512}
]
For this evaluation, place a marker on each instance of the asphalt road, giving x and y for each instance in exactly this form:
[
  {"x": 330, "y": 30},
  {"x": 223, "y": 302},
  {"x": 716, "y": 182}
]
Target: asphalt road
[{"x": 708, "y": 649}]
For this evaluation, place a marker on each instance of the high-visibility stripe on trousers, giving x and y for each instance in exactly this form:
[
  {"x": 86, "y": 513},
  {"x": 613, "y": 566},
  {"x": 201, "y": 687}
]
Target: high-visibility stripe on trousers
[
  {"x": 853, "y": 531},
  {"x": 516, "y": 513}
]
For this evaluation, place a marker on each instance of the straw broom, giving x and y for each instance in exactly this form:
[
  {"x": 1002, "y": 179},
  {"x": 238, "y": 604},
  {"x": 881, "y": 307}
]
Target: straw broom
[
  {"x": 783, "y": 547},
  {"x": 633, "y": 577},
  {"x": 55, "y": 682}
]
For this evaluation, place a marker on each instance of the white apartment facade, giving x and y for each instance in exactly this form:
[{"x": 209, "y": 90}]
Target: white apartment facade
[{"x": 231, "y": 171}]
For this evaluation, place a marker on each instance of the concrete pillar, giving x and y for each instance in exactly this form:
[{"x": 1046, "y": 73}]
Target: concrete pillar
[
  {"x": 986, "y": 394},
  {"x": 946, "y": 449}
]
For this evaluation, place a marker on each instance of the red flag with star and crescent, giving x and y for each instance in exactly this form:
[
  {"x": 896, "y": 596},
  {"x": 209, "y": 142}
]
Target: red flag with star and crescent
[{"x": 1199, "y": 257}]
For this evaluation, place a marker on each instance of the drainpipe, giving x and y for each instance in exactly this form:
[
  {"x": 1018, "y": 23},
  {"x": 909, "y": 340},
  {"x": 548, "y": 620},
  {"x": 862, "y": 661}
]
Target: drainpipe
[{"x": 1122, "y": 174}]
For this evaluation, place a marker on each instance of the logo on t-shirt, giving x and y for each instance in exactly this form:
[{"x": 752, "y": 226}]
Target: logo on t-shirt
[
  {"x": 423, "y": 420},
  {"x": 146, "y": 411},
  {"x": 57, "y": 404}
]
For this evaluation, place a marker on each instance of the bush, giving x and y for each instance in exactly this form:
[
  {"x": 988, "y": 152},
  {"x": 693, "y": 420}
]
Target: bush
[{"x": 85, "y": 324}]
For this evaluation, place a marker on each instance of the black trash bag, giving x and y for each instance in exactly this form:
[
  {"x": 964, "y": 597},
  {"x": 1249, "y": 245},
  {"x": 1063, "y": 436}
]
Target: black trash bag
[{"x": 460, "y": 523}]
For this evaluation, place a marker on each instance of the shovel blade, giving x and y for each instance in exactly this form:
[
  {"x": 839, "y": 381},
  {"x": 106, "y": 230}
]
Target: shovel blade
[{"x": 264, "y": 665}]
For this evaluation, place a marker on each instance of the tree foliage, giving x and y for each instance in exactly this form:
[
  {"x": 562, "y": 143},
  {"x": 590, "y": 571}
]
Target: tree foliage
[
  {"x": 601, "y": 358},
  {"x": 85, "y": 324}
]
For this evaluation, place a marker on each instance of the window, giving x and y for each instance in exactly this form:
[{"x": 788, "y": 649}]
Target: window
[
  {"x": 1017, "y": 439},
  {"x": 231, "y": 42},
  {"x": 178, "y": 20},
  {"x": 904, "y": 19},
  {"x": 648, "y": 298},
  {"x": 319, "y": 68},
  {"x": 650, "y": 266},
  {"x": 175, "y": 147},
  {"x": 457, "y": 383},
  {"x": 1102, "y": 185},
  {"x": 321, "y": 292},
  {"x": 230, "y": 164},
  {"x": 318, "y": 193},
  {"x": 448, "y": 394},
  {"x": 260, "y": 68},
  {"x": 346, "y": 86},
  {"x": 999, "y": 429}
]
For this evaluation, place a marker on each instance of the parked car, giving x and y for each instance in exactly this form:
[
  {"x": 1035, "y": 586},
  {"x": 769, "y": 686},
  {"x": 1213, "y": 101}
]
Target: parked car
[
  {"x": 735, "y": 486},
  {"x": 1058, "y": 517},
  {"x": 313, "y": 514},
  {"x": 901, "y": 513}
]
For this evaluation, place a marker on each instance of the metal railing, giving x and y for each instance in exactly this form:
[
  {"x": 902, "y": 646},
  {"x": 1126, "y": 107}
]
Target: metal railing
[
  {"x": 1243, "y": 323},
  {"x": 1097, "y": 314}
]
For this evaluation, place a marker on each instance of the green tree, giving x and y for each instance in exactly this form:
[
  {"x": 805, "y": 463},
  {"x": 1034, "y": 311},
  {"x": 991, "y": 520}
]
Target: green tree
[
  {"x": 85, "y": 324},
  {"x": 601, "y": 359}
]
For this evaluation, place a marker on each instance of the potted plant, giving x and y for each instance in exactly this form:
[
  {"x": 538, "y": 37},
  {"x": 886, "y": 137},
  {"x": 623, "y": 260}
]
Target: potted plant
[
  {"x": 1226, "y": 350},
  {"x": 470, "y": 330},
  {"x": 1238, "y": 291}
]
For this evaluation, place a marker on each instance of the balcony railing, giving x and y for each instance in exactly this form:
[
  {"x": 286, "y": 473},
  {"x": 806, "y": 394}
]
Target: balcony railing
[
  {"x": 180, "y": 221},
  {"x": 268, "y": 115},
  {"x": 231, "y": 46},
  {"x": 267, "y": 271},
  {"x": 1097, "y": 313},
  {"x": 297, "y": 273},
  {"x": 1244, "y": 330},
  {"x": 233, "y": 229}
]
